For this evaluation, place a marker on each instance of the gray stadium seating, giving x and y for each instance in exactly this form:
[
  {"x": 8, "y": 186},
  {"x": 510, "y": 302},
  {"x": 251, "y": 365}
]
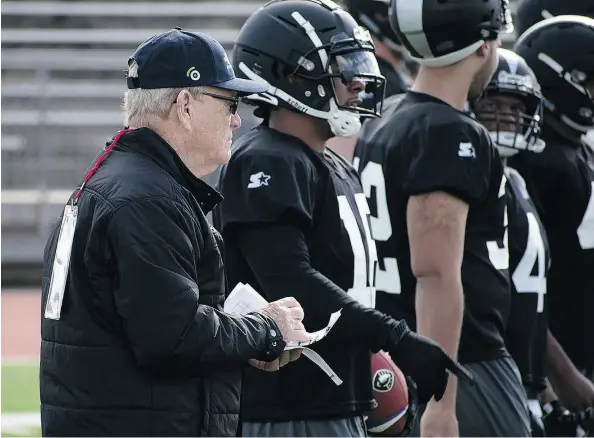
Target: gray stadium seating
[{"x": 63, "y": 66}]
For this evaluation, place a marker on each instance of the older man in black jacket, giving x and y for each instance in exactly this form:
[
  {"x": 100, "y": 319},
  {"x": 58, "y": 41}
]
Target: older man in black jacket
[{"x": 134, "y": 340}]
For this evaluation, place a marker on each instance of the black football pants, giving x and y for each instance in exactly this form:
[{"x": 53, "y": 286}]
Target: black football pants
[
  {"x": 495, "y": 406},
  {"x": 344, "y": 427}
]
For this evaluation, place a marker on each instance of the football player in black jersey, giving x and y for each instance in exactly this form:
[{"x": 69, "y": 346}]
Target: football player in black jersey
[
  {"x": 296, "y": 222},
  {"x": 560, "y": 180},
  {"x": 511, "y": 109},
  {"x": 392, "y": 58},
  {"x": 436, "y": 190}
]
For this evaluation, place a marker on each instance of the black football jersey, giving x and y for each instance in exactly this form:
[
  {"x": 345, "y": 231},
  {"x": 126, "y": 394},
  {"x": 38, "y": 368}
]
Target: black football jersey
[
  {"x": 529, "y": 261},
  {"x": 423, "y": 145},
  {"x": 560, "y": 180},
  {"x": 276, "y": 178}
]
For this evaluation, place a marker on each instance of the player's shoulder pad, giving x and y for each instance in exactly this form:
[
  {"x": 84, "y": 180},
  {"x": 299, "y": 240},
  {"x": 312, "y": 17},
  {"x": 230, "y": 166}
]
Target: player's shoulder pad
[
  {"x": 464, "y": 134},
  {"x": 265, "y": 145},
  {"x": 269, "y": 175}
]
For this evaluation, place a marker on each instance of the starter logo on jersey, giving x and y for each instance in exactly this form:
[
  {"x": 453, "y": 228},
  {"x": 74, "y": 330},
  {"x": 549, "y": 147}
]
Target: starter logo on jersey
[
  {"x": 466, "y": 150},
  {"x": 258, "y": 180},
  {"x": 383, "y": 380}
]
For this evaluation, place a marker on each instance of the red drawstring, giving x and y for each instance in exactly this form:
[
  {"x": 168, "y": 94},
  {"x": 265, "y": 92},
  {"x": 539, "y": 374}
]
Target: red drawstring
[{"x": 100, "y": 160}]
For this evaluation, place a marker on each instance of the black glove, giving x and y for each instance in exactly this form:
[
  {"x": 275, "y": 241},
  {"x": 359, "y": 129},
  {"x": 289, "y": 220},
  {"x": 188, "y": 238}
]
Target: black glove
[
  {"x": 558, "y": 421},
  {"x": 427, "y": 364},
  {"x": 585, "y": 419}
]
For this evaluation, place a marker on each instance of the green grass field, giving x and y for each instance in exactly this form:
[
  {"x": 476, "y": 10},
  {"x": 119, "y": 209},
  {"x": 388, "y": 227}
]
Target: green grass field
[{"x": 20, "y": 396}]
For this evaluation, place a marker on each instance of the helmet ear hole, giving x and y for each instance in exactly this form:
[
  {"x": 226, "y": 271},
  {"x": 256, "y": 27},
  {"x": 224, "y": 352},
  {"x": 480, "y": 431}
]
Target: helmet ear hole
[
  {"x": 277, "y": 70},
  {"x": 292, "y": 79}
]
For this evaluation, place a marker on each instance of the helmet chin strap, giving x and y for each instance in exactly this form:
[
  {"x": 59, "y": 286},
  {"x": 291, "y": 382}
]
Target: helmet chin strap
[{"x": 343, "y": 123}]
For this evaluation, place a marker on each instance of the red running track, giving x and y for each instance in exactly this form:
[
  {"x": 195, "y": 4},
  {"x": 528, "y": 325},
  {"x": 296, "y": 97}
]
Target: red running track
[{"x": 20, "y": 324}]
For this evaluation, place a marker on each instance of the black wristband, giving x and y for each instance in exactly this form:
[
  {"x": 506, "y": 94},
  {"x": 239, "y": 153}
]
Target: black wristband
[
  {"x": 398, "y": 331},
  {"x": 275, "y": 343}
]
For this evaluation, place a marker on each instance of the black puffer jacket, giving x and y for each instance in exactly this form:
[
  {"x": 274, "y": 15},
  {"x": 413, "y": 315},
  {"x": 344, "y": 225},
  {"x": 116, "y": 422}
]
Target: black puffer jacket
[{"x": 141, "y": 347}]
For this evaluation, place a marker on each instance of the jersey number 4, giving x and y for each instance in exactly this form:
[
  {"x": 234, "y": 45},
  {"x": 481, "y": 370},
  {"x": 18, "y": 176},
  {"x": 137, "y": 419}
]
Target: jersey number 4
[
  {"x": 534, "y": 257},
  {"x": 387, "y": 279}
]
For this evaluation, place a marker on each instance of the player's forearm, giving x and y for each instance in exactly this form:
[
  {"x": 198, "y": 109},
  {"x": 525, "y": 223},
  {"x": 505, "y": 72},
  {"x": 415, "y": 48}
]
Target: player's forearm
[
  {"x": 279, "y": 259},
  {"x": 559, "y": 364},
  {"x": 439, "y": 310}
]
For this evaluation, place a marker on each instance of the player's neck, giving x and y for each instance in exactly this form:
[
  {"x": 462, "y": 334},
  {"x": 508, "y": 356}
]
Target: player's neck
[
  {"x": 450, "y": 86},
  {"x": 305, "y": 128}
]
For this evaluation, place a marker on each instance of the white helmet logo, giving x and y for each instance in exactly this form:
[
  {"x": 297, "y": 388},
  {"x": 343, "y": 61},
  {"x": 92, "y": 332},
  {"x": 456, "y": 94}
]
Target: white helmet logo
[{"x": 514, "y": 79}]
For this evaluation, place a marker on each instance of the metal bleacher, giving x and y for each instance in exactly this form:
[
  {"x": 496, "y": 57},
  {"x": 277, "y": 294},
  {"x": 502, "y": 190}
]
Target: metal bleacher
[{"x": 63, "y": 65}]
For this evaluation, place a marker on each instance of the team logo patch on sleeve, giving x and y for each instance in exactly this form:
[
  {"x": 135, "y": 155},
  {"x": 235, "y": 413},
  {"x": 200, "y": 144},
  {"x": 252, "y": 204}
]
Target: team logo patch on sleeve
[{"x": 258, "y": 180}]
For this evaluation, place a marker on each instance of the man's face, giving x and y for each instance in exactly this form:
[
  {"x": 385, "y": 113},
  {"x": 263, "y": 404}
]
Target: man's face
[
  {"x": 483, "y": 76},
  {"x": 212, "y": 125},
  {"x": 349, "y": 94},
  {"x": 504, "y": 112}
]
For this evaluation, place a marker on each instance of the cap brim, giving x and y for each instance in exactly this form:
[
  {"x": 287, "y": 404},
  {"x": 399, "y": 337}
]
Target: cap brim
[{"x": 243, "y": 86}]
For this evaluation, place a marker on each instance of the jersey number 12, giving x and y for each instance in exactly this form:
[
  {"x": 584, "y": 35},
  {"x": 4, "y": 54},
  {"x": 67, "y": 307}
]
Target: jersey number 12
[
  {"x": 363, "y": 289},
  {"x": 372, "y": 176}
]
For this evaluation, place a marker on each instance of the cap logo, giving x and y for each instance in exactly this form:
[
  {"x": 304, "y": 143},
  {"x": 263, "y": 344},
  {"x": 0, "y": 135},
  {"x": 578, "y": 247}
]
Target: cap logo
[{"x": 193, "y": 74}]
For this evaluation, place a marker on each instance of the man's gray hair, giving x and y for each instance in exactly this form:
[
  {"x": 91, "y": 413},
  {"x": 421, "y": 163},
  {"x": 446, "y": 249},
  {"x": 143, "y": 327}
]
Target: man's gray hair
[{"x": 143, "y": 107}]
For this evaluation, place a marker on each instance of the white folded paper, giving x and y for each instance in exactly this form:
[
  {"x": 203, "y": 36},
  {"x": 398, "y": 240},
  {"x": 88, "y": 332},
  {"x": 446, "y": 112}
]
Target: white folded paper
[{"x": 244, "y": 299}]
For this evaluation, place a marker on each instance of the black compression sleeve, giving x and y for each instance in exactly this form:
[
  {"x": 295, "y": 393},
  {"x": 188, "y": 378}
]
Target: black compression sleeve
[{"x": 279, "y": 258}]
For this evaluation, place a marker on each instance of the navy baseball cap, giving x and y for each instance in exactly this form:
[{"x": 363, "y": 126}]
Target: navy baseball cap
[{"x": 177, "y": 58}]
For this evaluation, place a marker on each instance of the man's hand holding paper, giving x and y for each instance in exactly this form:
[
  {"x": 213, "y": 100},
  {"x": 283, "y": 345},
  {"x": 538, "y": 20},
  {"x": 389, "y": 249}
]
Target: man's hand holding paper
[{"x": 288, "y": 315}]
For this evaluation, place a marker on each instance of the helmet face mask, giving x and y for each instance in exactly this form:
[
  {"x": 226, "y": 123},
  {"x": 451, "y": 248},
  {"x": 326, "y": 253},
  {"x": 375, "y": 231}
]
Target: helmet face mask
[
  {"x": 311, "y": 49},
  {"x": 515, "y": 88},
  {"x": 349, "y": 59}
]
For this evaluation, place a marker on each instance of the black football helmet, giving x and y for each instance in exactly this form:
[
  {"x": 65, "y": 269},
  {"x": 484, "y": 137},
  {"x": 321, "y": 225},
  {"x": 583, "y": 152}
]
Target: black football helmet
[
  {"x": 299, "y": 47},
  {"x": 530, "y": 12},
  {"x": 366, "y": 12},
  {"x": 512, "y": 77},
  {"x": 560, "y": 51},
  {"x": 442, "y": 32}
]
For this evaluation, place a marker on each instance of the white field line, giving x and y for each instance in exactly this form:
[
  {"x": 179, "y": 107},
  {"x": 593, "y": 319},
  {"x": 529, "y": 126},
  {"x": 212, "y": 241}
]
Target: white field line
[{"x": 21, "y": 423}]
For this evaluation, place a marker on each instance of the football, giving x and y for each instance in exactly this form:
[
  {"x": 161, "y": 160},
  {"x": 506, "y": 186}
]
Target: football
[{"x": 391, "y": 394}]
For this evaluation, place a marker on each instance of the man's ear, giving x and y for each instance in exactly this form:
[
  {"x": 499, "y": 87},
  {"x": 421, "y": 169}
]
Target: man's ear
[{"x": 183, "y": 108}]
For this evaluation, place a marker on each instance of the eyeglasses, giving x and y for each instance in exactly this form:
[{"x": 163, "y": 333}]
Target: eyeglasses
[{"x": 234, "y": 100}]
